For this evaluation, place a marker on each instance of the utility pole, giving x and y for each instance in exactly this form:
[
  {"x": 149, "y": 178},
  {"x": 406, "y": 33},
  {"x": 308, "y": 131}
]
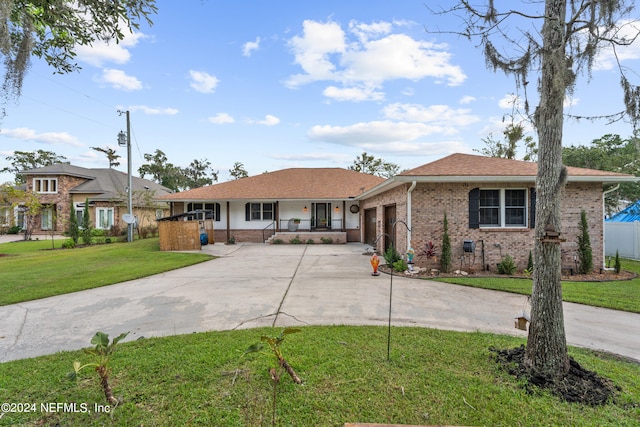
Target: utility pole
[{"x": 122, "y": 140}]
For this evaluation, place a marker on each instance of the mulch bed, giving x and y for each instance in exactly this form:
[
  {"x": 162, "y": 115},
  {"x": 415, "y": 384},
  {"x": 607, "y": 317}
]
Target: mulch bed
[
  {"x": 577, "y": 386},
  {"x": 604, "y": 276}
]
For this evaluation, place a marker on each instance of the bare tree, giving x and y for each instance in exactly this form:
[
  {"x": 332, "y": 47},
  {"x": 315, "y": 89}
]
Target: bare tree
[{"x": 559, "y": 43}]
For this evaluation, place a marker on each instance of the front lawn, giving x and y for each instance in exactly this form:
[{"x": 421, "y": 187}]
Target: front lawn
[
  {"x": 32, "y": 269},
  {"x": 618, "y": 295},
  {"x": 433, "y": 378}
]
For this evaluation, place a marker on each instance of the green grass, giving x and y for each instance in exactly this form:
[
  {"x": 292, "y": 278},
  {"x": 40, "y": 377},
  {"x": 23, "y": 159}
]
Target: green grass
[
  {"x": 32, "y": 270},
  {"x": 434, "y": 377},
  {"x": 618, "y": 295}
]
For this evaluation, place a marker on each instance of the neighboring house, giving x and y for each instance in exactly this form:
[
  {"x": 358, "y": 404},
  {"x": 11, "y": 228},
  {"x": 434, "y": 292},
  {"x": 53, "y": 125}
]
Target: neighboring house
[
  {"x": 489, "y": 202},
  {"x": 311, "y": 203},
  {"x": 58, "y": 186},
  {"x": 622, "y": 233}
]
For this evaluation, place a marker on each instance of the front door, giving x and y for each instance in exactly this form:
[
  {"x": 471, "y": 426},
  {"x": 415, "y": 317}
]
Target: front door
[
  {"x": 370, "y": 229},
  {"x": 322, "y": 215},
  {"x": 389, "y": 219}
]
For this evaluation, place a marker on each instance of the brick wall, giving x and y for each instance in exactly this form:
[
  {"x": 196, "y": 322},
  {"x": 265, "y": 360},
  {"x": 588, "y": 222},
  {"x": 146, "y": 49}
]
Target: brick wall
[{"x": 430, "y": 202}]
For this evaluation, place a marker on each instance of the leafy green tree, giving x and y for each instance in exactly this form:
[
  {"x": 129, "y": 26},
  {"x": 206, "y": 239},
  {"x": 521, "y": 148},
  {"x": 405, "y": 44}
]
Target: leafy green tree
[
  {"x": 24, "y": 160},
  {"x": 585, "y": 255},
  {"x": 238, "y": 171},
  {"x": 373, "y": 166},
  {"x": 111, "y": 154},
  {"x": 52, "y": 30},
  {"x": 508, "y": 149},
  {"x": 199, "y": 173},
  {"x": 609, "y": 153},
  {"x": 445, "y": 256},
  {"x": 556, "y": 44}
]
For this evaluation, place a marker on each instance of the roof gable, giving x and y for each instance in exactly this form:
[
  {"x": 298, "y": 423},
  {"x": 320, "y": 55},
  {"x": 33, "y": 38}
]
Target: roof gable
[{"x": 294, "y": 183}]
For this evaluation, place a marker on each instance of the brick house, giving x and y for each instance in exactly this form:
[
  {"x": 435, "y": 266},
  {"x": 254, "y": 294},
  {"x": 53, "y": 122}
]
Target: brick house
[
  {"x": 488, "y": 201},
  {"x": 58, "y": 186},
  {"x": 310, "y": 203}
]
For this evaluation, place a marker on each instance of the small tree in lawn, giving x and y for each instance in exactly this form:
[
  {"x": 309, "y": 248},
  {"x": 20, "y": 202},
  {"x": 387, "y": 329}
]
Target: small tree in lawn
[
  {"x": 74, "y": 227},
  {"x": 585, "y": 256},
  {"x": 86, "y": 224},
  {"x": 445, "y": 257}
]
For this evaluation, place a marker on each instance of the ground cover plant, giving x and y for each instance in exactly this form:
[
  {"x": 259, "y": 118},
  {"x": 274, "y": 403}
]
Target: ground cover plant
[
  {"x": 617, "y": 294},
  {"x": 433, "y": 377},
  {"x": 32, "y": 270}
]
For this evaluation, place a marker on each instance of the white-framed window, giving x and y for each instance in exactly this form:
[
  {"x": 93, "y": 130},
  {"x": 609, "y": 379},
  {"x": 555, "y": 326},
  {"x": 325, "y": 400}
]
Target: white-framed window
[
  {"x": 159, "y": 213},
  {"x": 45, "y": 185},
  {"x": 46, "y": 219},
  {"x": 505, "y": 207},
  {"x": 104, "y": 218},
  {"x": 259, "y": 211}
]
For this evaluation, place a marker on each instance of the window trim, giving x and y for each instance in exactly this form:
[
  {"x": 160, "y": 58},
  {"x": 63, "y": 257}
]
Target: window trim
[
  {"x": 39, "y": 185},
  {"x": 107, "y": 209},
  {"x": 250, "y": 211},
  {"x": 528, "y": 208}
]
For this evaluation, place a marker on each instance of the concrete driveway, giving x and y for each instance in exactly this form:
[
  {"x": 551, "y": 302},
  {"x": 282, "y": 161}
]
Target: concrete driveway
[{"x": 254, "y": 285}]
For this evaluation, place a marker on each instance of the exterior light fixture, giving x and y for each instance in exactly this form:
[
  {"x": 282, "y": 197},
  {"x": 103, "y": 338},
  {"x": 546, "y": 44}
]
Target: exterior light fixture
[{"x": 304, "y": 209}]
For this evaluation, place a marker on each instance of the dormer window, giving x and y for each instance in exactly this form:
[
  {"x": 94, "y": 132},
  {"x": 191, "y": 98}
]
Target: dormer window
[{"x": 45, "y": 185}]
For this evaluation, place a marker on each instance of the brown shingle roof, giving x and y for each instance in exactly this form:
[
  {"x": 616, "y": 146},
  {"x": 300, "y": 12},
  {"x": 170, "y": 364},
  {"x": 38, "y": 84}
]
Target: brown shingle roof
[
  {"x": 295, "y": 183},
  {"x": 460, "y": 165}
]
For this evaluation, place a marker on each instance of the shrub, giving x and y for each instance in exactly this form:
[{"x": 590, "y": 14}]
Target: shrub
[
  {"x": 87, "y": 237},
  {"x": 429, "y": 250},
  {"x": 585, "y": 256},
  {"x": 400, "y": 266},
  {"x": 616, "y": 264},
  {"x": 391, "y": 255},
  {"x": 14, "y": 230},
  {"x": 69, "y": 244},
  {"x": 310, "y": 242},
  {"x": 507, "y": 265},
  {"x": 326, "y": 240},
  {"x": 277, "y": 241},
  {"x": 445, "y": 258},
  {"x": 295, "y": 241}
]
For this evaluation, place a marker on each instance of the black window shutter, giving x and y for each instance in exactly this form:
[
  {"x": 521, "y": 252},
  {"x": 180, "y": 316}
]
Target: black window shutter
[
  {"x": 247, "y": 212},
  {"x": 217, "y": 214},
  {"x": 474, "y": 208},
  {"x": 532, "y": 208}
]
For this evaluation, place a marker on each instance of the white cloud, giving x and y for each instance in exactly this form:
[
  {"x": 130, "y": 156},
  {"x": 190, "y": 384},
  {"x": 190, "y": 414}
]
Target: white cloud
[
  {"x": 154, "y": 111},
  {"x": 312, "y": 51},
  {"x": 249, "y": 47},
  {"x": 467, "y": 100},
  {"x": 353, "y": 94},
  {"x": 269, "y": 120},
  {"x": 118, "y": 79},
  {"x": 49, "y": 138},
  {"x": 370, "y": 57},
  {"x": 372, "y": 133},
  {"x": 203, "y": 82},
  {"x": 510, "y": 101},
  {"x": 386, "y": 136},
  {"x": 606, "y": 59},
  {"x": 102, "y": 52},
  {"x": 442, "y": 115},
  {"x": 221, "y": 118}
]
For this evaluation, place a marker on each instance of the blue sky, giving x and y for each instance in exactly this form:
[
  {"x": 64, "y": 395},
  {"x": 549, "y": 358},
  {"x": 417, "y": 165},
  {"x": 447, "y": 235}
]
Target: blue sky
[{"x": 279, "y": 84}]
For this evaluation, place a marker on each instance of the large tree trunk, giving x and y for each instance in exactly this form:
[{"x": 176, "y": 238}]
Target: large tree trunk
[{"x": 546, "y": 353}]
